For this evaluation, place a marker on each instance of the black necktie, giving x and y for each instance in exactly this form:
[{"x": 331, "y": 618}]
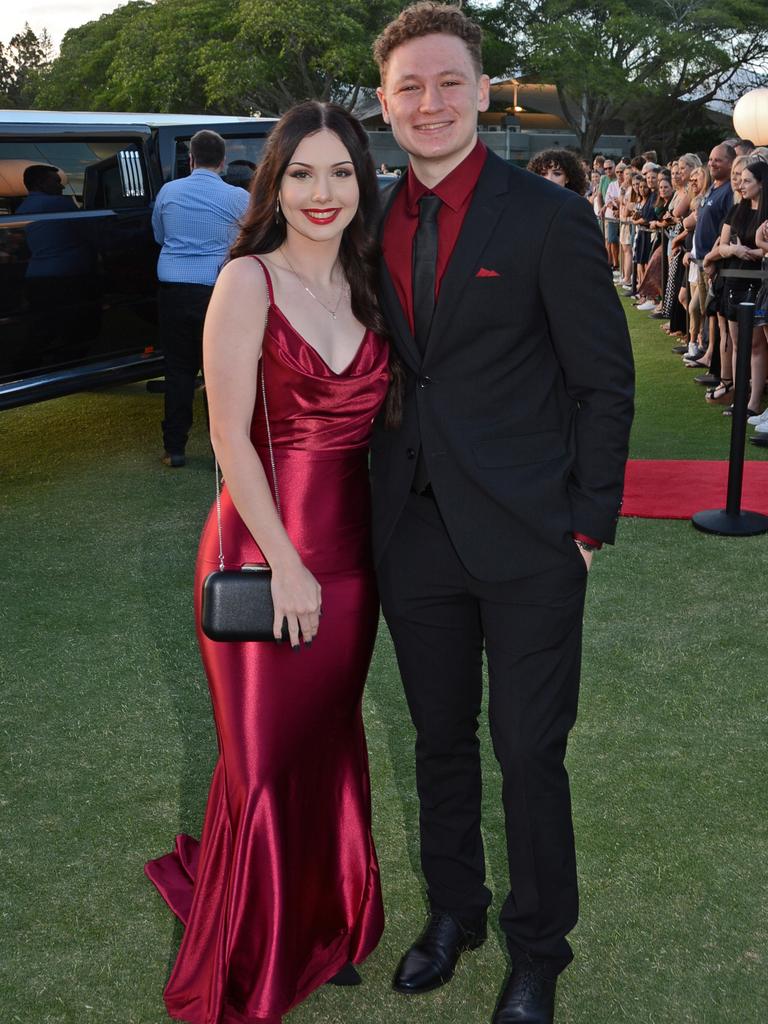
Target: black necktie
[{"x": 425, "y": 268}]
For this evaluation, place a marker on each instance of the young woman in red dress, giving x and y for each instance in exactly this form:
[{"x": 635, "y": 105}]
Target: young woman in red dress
[{"x": 282, "y": 892}]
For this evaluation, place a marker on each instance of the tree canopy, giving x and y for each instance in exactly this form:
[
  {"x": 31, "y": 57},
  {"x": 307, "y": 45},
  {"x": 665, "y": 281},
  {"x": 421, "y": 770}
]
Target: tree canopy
[
  {"x": 218, "y": 55},
  {"x": 22, "y": 61},
  {"x": 638, "y": 60},
  {"x": 237, "y": 56},
  {"x": 651, "y": 63}
]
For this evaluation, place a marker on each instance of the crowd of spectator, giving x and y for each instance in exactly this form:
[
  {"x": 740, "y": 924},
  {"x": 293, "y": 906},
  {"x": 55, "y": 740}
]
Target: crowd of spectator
[{"x": 670, "y": 230}]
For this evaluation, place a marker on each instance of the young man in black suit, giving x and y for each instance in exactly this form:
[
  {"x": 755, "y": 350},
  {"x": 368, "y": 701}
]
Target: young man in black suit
[{"x": 490, "y": 495}]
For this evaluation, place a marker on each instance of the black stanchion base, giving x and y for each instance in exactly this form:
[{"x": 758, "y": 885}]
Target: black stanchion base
[{"x": 743, "y": 524}]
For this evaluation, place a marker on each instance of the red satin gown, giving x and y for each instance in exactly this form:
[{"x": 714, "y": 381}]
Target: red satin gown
[{"x": 283, "y": 888}]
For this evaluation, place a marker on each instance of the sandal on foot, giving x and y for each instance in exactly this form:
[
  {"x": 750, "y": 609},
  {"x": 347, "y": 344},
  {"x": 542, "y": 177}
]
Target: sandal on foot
[
  {"x": 695, "y": 364},
  {"x": 720, "y": 392}
]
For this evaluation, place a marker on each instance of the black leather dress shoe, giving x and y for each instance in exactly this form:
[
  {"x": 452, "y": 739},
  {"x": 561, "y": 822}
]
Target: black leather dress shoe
[
  {"x": 528, "y": 996},
  {"x": 431, "y": 960}
]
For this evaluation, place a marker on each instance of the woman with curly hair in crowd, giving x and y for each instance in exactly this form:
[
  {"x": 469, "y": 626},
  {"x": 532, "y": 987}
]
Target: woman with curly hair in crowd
[{"x": 562, "y": 167}]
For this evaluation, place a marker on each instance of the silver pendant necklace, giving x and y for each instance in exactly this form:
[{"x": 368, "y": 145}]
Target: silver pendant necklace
[{"x": 329, "y": 311}]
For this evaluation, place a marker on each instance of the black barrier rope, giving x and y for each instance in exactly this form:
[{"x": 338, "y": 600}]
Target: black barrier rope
[{"x": 733, "y": 521}]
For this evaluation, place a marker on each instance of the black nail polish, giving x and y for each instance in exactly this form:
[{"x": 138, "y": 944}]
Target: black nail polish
[
  {"x": 295, "y": 647},
  {"x": 278, "y": 639},
  {"x": 307, "y": 644}
]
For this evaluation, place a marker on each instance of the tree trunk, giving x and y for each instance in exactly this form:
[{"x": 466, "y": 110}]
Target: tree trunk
[{"x": 587, "y": 122}]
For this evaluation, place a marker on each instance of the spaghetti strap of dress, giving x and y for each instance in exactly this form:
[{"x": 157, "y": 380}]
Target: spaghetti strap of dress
[{"x": 269, "y": 280}]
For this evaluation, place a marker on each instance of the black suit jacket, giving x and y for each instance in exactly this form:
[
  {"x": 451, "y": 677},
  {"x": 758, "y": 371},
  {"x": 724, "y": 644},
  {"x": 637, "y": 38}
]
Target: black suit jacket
[{"x": 523, "y": 400}]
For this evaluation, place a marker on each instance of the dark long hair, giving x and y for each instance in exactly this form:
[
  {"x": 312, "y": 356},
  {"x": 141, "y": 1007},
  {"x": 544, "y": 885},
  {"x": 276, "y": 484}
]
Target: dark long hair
[
  {"x": 262, "y": 231},
  {"x": 759, "y": 170}
]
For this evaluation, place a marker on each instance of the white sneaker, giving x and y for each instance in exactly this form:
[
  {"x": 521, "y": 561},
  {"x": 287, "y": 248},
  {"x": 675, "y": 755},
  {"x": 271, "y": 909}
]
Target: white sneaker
[
  {"x": 762, "y": 428},
  {"x": 646, "y": 305},
  {"x": 753, "y": 421}
]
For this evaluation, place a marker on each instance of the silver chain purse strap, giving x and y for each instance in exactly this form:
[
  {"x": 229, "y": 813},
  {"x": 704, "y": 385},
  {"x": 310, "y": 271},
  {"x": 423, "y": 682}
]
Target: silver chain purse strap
[{"x": 269, "y": 445}]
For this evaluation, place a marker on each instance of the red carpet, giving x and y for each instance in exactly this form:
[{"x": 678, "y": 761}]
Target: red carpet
[{"x": 676, "y": 489}]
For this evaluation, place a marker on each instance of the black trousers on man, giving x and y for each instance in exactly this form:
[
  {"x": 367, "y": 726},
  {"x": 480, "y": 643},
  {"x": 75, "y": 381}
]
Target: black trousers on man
[
  {"x": 181, "y": 313},
  {"x": 440, "y": 619}
]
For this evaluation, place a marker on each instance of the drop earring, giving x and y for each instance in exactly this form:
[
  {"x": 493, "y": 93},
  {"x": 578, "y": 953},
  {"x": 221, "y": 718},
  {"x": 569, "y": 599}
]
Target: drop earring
[{"x": 277, "y": 210}]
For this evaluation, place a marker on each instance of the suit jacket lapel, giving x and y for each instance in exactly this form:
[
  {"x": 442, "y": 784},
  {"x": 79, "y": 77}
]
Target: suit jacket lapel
[
  {"x": 390, "y": 303},
  {"x": 479, "y": 223},
  {"x": 397, "y": 320}
]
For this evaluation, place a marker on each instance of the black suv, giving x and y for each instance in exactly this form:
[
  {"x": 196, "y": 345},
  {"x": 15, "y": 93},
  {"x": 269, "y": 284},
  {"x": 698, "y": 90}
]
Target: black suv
[{"x": 77, "y": 257}]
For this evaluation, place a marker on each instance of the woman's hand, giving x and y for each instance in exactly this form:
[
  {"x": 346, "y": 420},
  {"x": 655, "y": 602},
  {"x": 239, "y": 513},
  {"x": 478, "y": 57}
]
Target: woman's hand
[{"x": 296, "y": 597}]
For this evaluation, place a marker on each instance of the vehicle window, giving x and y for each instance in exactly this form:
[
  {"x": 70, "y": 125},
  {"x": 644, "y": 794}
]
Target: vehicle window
[
  {"x": 243, "y": 156},
  {"x": 93, "y": 174}
]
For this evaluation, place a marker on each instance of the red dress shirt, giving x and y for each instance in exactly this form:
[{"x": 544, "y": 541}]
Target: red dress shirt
[{"x": 456, "y": 191}]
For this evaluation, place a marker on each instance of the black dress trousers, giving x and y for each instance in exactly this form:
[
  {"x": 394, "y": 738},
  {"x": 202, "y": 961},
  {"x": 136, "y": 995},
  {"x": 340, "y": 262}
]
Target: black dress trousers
[
  {"x": 441, "y": 619},
  {"x": 181, "y": 315}
]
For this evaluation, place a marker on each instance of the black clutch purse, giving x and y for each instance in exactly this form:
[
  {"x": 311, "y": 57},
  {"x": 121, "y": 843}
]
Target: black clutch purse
[{"x": 237, "y": 603}]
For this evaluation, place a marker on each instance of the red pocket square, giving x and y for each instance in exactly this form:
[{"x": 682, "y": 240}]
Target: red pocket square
[{"x": 482, "y": 272}]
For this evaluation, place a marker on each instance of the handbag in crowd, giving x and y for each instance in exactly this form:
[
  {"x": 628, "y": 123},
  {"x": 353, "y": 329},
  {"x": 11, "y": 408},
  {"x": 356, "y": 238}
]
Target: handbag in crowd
[{"x": 237, "y": 603}]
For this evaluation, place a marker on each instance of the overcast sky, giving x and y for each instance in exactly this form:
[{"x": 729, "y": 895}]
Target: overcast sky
[{"x": 56, "y": 16}]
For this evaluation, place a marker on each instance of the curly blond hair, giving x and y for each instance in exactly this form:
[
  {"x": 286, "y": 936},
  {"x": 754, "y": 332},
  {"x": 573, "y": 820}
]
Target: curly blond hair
[{"x": 427, "y": 18}]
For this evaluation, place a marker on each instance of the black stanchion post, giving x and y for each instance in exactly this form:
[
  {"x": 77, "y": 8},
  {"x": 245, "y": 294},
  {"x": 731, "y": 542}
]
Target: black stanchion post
[{"x": 732, "y": 521}]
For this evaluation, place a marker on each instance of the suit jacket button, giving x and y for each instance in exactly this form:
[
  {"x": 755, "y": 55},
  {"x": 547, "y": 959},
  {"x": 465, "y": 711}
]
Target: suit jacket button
[
  {"x": 411, "y": 453},
  {"x": 424, "y": 382}
]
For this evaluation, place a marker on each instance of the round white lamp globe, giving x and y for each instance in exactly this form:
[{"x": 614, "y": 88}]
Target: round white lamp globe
[{"x": 750, "y": 117}]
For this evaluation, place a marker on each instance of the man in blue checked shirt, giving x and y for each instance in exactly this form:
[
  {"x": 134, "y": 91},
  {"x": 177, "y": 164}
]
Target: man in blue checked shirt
[{"x": 195, "y": 220}]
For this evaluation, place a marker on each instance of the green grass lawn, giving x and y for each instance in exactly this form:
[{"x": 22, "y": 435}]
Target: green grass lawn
[{"x": 108, "y": 744}]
